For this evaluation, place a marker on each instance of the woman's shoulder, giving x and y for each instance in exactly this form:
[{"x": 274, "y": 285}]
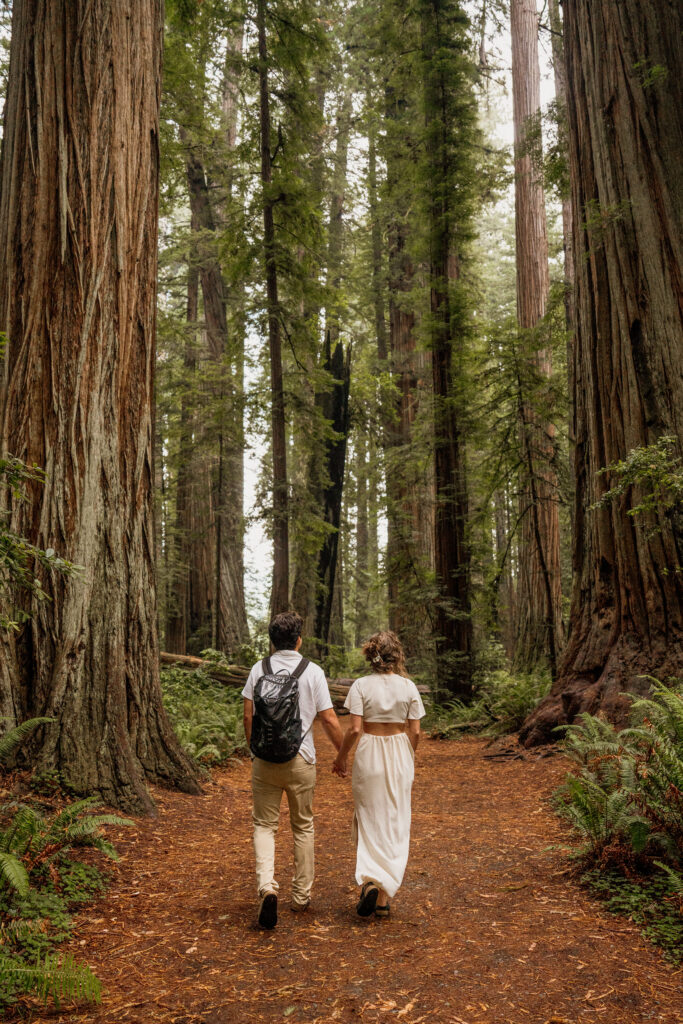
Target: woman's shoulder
[{"x": 361, "y": 679}]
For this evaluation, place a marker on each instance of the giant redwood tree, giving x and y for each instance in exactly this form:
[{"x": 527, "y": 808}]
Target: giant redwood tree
[
  {"x": 626, "y": 139},
  {"x": 538, "y": 601},
  {"x": 78, "y": 232}
]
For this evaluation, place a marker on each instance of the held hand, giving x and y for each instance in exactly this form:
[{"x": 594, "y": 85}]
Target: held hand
[{"x": 340, "y": 768}]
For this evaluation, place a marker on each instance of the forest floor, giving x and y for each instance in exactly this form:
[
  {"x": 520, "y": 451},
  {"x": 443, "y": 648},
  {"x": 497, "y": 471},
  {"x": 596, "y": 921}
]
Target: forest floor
[{"x": 488, "y": 927}]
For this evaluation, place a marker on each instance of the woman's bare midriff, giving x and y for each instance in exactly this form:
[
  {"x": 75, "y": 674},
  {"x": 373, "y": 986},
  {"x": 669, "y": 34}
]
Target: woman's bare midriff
[{"x": 384, "y": 728}]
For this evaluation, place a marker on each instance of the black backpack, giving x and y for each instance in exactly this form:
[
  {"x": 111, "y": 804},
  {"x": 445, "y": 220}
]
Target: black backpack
[{"x": 276, "y": 730}]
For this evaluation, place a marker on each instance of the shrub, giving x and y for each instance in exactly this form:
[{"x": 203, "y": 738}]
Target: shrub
[
  {"x": 502, "y": 701},
  {"x": 626, "y": 804},
  {"x": 39, "y": 884},
  {"x": 206, "y": 716},
  {"x": 627, "y": 800}
]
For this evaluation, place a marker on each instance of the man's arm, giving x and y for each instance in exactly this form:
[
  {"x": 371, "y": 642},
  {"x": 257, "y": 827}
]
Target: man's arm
[
  {"x": 330, "y": 724},
  {"x": 340, "y": 766},
  {"x": 247, "y": 718}
]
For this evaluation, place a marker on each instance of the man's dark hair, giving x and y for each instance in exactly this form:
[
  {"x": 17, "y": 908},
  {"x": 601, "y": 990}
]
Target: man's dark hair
[{"x": 285, "y": 630}]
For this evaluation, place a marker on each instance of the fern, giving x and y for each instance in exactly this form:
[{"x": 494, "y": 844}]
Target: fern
[
  {"x": 21, "y": 831},
  {"x": 14, "y": 738},
  {"x": 13, "y": 872},
  {"x": 50, "y": 977},
  {"x": 627, "y": 801}
]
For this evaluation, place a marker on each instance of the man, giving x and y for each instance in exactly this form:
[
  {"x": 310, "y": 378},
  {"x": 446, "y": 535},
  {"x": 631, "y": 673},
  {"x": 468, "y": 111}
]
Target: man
[{"x": 295, "y": 777}]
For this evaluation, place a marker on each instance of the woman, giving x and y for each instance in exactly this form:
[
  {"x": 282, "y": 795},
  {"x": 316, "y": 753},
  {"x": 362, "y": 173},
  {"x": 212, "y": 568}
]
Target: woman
[{"x": 382, "y": 704}]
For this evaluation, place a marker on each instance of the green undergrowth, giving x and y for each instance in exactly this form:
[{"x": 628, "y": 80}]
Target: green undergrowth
[
  {"x": 625, "y": 804},
  {"x": 502, "y": 701},
  {"x": 651, "y": 903},
  {"x": 45, "y": 875},
  {"x": 206, "y": 715},
  {"x": 43, "y": 880}
]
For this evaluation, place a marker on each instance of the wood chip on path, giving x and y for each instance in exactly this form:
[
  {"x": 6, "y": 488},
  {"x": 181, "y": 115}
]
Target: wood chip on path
[{"x": 487, "y": 929}]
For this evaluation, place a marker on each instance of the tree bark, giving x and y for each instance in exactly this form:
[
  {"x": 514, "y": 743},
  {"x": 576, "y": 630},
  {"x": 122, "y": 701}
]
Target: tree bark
[
  {"x": 78, "y": 231},
  {"x": 177, "y": 619},
  {"x": 362, "y": 576},
  {"x": 279, "y": 599},
  {"x": 378, "y": 286},
  {"x": 451, "y": 547},
  {"x": 539, "y": 631},
  {"x": 335, "y": 407},
  {"x": 230, "y": 617},
  {"x": 202, "y": 550},
  {"x": 626, "y": 138},
  {"x": 410, "y": 498}
]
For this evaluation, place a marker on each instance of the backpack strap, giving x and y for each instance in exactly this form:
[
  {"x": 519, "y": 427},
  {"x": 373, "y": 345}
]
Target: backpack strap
[
  {"x": 266, "y": 669},
  {"x": 300, "y": 668}
]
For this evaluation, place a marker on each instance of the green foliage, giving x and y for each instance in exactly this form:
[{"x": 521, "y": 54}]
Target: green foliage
[
  {"x": 20, "y": 561},
  {"x": 657, "y": 471},
  {"x": 626, "y": 805},
  {"x": 40, "y": 882},
  {"x": 627, "y": 801},
  {"x": 206, "y": 716},
  {"x": 37, "y": 840},
  {"x": 546, "y": 142},
  {"x": 13, "y": 873},
  {"x": 52, "y": 977},
  {"x": 651, "y": 902},
  {"x": 649, "y": 73},
  {"x": 502, "y": 701},
  {"x": 51, "y": 782},
  {"x": 15, "y": 736}
]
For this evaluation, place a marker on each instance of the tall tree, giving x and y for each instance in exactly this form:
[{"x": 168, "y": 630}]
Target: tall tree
[
  {"x": 335, "y": 408},
  {"x": 539, "y": 633},
  {"x": 279, "y": 599},
  {"x": 626, "y": 137},
  {"x": 78, "y": 229},
  {"x": 409, "y": 487},
  {"x": 178, "y": 607},
  {"x": 449, "y": 118}
]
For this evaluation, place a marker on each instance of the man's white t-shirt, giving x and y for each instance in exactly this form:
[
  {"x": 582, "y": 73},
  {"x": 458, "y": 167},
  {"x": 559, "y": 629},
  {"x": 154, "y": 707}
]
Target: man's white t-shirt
[{"x": 314, "y": 695}]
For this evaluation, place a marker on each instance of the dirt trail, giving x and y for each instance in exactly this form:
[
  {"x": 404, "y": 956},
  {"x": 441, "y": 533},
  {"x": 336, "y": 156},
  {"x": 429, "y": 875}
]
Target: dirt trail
[{"x": 486, "y": 929}]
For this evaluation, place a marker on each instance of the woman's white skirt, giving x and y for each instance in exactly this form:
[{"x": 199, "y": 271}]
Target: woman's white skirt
[{"x": 382, "y": 779}]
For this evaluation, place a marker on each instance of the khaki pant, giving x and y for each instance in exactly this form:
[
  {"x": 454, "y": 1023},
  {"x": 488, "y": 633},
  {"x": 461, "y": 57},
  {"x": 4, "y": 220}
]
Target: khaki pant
[{"x": 268, "y": 782}]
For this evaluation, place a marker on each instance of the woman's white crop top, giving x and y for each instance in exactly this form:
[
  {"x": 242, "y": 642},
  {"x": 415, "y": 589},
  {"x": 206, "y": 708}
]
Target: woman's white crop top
[{"x": 385, "y": 698}]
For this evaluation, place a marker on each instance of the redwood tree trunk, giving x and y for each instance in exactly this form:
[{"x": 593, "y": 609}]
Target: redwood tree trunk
[
  {"x": 362, "y": 576},
  {"x": 626, "y": 138},
  {"x": 442, "y": 98},
  {"x": 230, "y": 617},
  {"x": 335, "y": 407},
  {"x": 539, "y": 634},
  {"x": 178, "y": 603},
  {"x": 410, "y": 500},
  {"x": 279, "y": 598},
  {"x": 78, "y": 230}
]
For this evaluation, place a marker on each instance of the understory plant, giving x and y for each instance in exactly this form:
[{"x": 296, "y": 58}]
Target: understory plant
[
  {"x": 41, "y": 881},
  {"x": 502, "y": 701},
  {"x": 626, "y": 805},
  {"x": 206, "y": 715}
]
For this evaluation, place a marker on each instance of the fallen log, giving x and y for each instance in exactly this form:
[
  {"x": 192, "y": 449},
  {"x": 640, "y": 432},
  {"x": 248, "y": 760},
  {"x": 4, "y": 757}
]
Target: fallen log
[
  {"x": 236, "y": 675},
  {"x": 230, "y": 675}
]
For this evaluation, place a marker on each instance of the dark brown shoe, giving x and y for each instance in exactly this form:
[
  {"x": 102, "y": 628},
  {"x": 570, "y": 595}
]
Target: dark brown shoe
[
  {"x": 368, "y": 899},
  {"x": 267, "y": 912}
]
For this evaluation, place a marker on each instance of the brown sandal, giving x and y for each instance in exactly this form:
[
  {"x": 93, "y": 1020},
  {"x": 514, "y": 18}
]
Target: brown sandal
[{"x": 384, "y": 911}]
